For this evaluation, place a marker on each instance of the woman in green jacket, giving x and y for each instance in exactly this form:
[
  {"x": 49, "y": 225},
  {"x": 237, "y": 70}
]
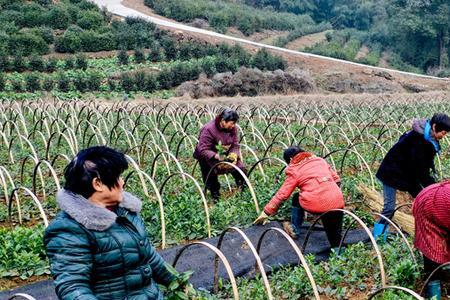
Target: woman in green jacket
[{"x": 97, "y": 245}]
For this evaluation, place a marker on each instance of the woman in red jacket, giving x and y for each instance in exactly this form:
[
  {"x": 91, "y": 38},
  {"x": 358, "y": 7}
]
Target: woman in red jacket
[
  {"x": 431, "y": 211},
  {"x": 319, "y": 192}
]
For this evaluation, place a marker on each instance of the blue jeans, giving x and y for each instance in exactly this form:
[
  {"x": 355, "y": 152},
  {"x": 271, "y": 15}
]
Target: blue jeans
[{"x": 389, "y": 194}]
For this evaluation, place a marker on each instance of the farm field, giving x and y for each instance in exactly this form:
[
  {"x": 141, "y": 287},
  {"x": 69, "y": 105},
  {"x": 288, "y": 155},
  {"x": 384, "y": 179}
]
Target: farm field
[{"x": 39, "y": 137}]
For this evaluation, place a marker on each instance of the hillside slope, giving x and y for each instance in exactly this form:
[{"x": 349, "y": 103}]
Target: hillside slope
[{"x": 332, "y": 75}]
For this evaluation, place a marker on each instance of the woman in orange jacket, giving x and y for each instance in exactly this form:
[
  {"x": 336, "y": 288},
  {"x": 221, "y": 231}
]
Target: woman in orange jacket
[{"x": 319, "y": 192}]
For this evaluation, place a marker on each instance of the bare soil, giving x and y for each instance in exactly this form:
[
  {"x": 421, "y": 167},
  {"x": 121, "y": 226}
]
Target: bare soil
[
  {"x": 362, "y": 52},
  {"x": 10, "y": 283}
]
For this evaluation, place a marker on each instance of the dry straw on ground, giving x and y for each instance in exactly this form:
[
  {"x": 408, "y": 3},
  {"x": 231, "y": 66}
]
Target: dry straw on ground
[{"x": 375, "y": 202}]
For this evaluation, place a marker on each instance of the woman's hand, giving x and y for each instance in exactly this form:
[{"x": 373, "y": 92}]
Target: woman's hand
[{"x": 262, "y": 219}]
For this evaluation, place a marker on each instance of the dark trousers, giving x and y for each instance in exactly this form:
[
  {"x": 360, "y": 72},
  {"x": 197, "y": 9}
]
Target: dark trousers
[
  {"x": 429, "y": 266},
  {"x": 332, "y": 222},
  {"x": 213, "y": 184}
]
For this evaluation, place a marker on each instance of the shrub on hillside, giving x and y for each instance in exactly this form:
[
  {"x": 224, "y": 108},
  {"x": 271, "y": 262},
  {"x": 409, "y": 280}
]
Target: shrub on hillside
[
  {"x": 165, "y": 79},
  {"x": 63, "y": 82},
  {"x": 70, "y": 42},
  {"x": 48, "y": 84},
  {"x": 5, "y": 63},
  {"x": 81, "y": 62},
  {"x": 263, "y": 60},
  {"x": 90, "y": 20},
  {"x": 208, "y": 66},
  {"x": 92, "y": 41},
  {"x": 170, "y": 48},
  {"x": 140, "y": 80},
  {"x": 17, "y": 85},
  {"x": 151, "y": 83},
  {"x": 32, "y": 82},
  {"x": 27, "y": 43},
  {"x": 51, "y": 64},
  {"x": 122, "y": 57},
  {"x": 36, "y": 63},
  {"x": 80, "y": 82},
  {"x": 2, "y": 82},
  {"x": 58, "y": 17},
  {"x": 112, "y": 84},
  {"x": 139, "y": 56},
  {"x": 127, "y": 82},
  {"x": 94, "y": 81},
  {"x": 133, "y": 33},
  {"x": 69, "y": 62},
  {"x": 155, "y": 54},
  {"x": 33, "y": 15},
  {"x": 18, "y": 63}
]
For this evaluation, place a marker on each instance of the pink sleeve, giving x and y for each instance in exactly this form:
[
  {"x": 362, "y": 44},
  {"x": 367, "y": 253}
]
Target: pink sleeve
[{"x": 285, "y": 191}]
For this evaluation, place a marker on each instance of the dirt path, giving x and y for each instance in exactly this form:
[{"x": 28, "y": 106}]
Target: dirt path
[{"x": 308, "y": 40}]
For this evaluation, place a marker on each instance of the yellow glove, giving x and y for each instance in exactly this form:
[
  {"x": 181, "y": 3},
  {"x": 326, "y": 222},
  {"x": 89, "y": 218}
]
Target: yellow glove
[
  {"x": 232, "y": 157},
  {"x": 262, "y": 219}
]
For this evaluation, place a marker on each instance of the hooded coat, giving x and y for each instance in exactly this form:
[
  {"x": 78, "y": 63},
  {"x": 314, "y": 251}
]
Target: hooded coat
[
  {"x": 407, "y": 165},
  {"x": 210, "y": 136},
  {"x": 99, "y": 254},
  {"x": 317, "y": 183}
]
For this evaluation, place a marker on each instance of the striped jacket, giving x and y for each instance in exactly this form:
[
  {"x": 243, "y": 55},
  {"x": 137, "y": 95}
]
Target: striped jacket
[{"x": 432, "y": 222}]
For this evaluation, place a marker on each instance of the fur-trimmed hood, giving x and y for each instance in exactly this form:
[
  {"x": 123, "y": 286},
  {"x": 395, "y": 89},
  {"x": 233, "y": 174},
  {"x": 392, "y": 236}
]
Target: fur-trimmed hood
[{"x": 91, "y": 216}]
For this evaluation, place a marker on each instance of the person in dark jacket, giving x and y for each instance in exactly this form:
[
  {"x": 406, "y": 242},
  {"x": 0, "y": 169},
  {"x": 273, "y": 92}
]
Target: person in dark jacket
[
  {"x": 219, "y": 133},
  {"x": 409, "y": 163},
  {"x": 97, "y": 245},
  {"x": 431, "y": 212}
]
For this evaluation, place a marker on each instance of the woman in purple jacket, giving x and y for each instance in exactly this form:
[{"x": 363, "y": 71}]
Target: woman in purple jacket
[{"x": 219, "y": 133}]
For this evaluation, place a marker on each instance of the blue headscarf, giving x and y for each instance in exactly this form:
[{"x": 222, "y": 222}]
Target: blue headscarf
[{"x": 429, "y": 138}]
